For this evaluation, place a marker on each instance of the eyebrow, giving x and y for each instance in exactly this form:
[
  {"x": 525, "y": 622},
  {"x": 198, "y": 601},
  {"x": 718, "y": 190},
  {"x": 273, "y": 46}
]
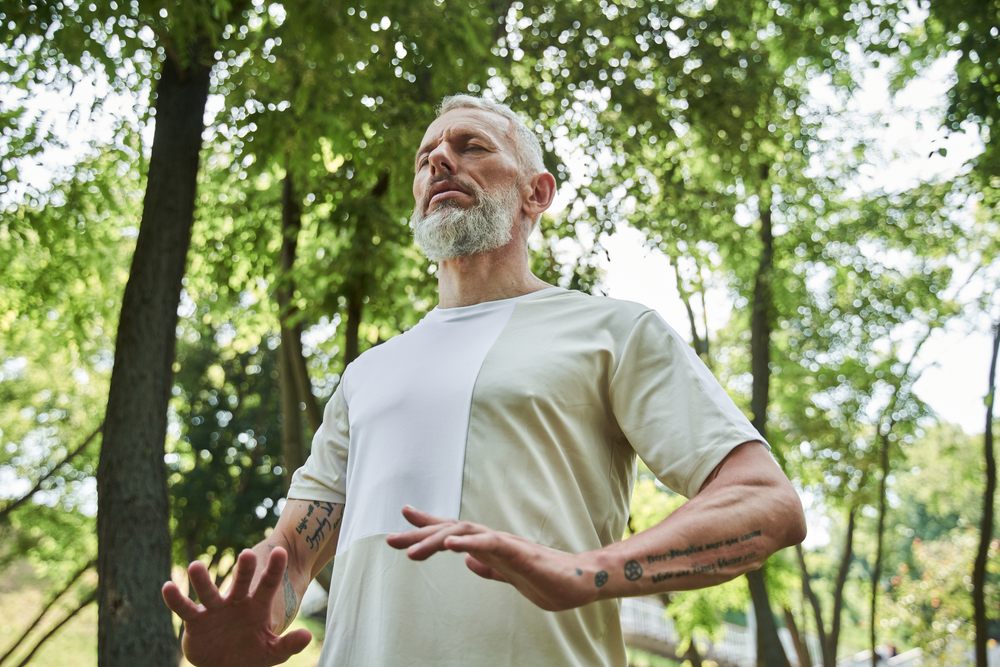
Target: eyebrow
[{"x": 461, "y": 136}]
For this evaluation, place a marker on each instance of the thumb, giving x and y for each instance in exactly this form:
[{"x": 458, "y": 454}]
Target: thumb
[{"x": 291, "y": 643}]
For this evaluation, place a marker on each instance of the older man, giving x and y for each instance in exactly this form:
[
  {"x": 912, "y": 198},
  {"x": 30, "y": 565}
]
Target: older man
[{"x": 473, "y": 475}]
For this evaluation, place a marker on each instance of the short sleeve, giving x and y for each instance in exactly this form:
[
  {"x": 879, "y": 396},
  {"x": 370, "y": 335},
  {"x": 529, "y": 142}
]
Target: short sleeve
[
  {"x": 675, "y": 414},
  {"x": 324, "y": 474}
]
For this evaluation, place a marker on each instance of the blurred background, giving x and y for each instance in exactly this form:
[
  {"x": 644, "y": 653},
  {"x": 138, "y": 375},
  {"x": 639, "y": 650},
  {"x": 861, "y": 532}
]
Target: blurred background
[{"x": 205, "y": 213}]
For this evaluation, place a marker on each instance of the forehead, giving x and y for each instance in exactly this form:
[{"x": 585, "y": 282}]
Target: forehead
[{"x": 465, "y": 121}]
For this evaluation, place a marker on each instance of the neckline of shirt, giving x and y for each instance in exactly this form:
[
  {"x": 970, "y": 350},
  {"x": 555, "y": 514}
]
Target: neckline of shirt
[{"x": 463, "y": 312}]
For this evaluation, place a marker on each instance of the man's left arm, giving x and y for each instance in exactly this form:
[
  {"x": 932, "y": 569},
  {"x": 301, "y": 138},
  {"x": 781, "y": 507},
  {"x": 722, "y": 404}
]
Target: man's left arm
[{"x": 745, "y": 511}]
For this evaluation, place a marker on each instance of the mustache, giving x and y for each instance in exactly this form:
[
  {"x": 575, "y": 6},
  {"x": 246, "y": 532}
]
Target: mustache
[{"x": 471, "y": 188}]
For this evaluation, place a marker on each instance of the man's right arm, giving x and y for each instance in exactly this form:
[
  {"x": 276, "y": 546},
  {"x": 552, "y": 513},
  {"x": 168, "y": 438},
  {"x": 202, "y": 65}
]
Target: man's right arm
[
  {"x": 307, "y": 530},
  {"x": 241, "y": 628}
]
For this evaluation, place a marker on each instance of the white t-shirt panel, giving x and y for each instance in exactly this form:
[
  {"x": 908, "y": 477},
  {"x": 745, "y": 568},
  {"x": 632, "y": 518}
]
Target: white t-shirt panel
[{"x": 407, "y": 407}]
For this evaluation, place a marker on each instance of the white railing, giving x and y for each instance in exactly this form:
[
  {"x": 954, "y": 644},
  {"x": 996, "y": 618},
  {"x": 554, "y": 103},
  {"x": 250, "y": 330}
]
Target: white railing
[{"x": 644, "y": 617}]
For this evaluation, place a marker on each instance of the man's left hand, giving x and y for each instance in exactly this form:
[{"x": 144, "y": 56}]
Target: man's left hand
[{"x": 551, "y": 579}]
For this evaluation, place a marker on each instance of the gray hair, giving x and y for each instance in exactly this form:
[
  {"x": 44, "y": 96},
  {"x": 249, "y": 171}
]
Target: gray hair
[{"x": 526, "y": 144}]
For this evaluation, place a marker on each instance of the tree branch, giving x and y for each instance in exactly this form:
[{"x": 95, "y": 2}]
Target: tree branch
[
  {"x": 52, "y": 471},
  {"x": 45, "y": 610},
  {"x": 48, "y": 635}
]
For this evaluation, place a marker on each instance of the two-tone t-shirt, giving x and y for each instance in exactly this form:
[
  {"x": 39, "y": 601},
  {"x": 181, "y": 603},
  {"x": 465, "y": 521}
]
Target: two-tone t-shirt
[{"x": 525, "y": 415}]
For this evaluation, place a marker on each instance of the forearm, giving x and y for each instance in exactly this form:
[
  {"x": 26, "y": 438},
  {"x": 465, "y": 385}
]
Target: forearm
[
  {"x": 745, "y": 512},
  {"x": 706, "y": 542},
  {"x": 307, "y": 531}
]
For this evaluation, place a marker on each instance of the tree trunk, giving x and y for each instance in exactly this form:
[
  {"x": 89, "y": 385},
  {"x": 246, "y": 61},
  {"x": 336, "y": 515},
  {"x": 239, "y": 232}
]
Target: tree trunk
[
  {"x": 134, "y": 555},
  {"x": 355, "y": 307},
  {"x": 877, "y": 572},
  {"x": 830, "y": 652},
  {"x": 292, "y": 374},
  {"x": 986, "y": 528},
  {"x": 692, "y": 655},
  {"x": 770, "y": 652},
  {"x": 292, "y": 443},
  {"x": 291, "y": 224},
  {"x": 798, "y": 639},
  {"x": 701, "y": 347},
  {"x": 810, "y": 595}
]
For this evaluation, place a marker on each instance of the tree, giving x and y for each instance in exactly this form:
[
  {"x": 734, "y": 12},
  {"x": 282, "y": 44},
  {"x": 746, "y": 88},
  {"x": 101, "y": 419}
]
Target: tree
[
  {"x": 986, "y": 526},
  {"x": 133, "y": 625}
]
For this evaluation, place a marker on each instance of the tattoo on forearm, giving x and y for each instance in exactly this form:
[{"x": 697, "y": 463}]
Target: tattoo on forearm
[
  {"x": 721, "y": 563},
  {"x": 600, "y": 578},
  {"x": 663, "y": 576},
  {"x": 325, "y": 525},
  {"x": 291, "y": 600},
  {"x": 701, "y": 548},
  {"x": 633, "y": 570}
]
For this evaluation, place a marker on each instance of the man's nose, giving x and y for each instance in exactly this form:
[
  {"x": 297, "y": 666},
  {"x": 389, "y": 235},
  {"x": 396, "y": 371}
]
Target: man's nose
[{"x": 442, "y": 161}]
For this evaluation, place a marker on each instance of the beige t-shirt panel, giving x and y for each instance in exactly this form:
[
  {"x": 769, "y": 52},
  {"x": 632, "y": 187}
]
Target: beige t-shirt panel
[{"x": 571, "y": 390}]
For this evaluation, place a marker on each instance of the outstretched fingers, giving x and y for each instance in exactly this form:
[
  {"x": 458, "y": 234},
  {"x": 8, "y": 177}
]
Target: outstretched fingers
[
  {"x": 437, "y": 541},
  {"x": 411, "y": 537},
  {"x": 179, "y": 603},
  {"x": 421, "y": 519},
  {"x": 488, "y": 541},
  {"x": 273, "y": 573},
  {"x": 246, "y": 564},
  {"x": 201, "y": 581}
]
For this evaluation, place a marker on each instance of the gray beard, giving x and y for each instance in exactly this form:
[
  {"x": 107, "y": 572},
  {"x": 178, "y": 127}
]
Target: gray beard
[{"x": 451, "y": 231}]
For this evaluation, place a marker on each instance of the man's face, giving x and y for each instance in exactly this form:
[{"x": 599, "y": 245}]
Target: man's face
[{"x": 465, "y": 185}]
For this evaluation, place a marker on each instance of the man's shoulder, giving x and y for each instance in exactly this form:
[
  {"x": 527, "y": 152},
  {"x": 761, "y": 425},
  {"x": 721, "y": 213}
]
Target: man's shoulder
[{"x": 594, "y": 308}]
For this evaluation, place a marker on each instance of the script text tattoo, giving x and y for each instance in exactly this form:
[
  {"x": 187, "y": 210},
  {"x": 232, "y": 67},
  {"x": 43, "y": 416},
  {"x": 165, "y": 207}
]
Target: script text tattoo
[
  {"x": 324, "y": 526},
  {"x": 694, "y": 549}
]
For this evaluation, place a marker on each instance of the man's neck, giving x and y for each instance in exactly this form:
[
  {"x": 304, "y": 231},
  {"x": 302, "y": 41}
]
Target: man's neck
[{"x": 489, "y": 276}]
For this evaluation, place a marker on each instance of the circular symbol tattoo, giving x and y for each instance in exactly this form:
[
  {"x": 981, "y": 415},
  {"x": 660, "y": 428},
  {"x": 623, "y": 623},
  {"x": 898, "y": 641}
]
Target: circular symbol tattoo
[
  {"x": 633, "y": 570},
  {"x": 600, "y": 578}
]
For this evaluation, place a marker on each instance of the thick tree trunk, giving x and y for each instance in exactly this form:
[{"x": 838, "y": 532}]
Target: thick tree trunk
[
  {"x": 810, "y": 595},
  {"x": 798, "y": 639},
  {"x": 770, "y": 652},
  {"x": 134, "y": 626},
  {"x": 830, "y": 652},
  {"x": 986, "y": 528},
  {"x": 877, "y": 571}
]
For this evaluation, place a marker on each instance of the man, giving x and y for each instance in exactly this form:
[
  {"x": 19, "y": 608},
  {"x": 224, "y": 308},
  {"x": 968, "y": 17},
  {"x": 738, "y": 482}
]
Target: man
[{"x": 473, "y": 475}]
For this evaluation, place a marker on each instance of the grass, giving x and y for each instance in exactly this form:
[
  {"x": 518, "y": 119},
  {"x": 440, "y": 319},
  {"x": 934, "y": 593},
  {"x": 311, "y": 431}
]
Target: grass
[{"x": 22, "y": 595}]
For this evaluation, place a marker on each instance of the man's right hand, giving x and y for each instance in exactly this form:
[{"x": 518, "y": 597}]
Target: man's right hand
[{"x": 234, "y": 629}]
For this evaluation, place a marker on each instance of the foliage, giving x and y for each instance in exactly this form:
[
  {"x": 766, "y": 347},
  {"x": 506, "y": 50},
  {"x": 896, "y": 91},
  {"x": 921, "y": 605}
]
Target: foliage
[
  {"x": 225, "y": 474},
  {"x": 931, "y": 599},
  {"x": 691, "y": 122}
]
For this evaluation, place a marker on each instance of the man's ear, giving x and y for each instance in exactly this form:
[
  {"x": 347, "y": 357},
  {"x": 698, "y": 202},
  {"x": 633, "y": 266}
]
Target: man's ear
[{"x": 541, "y": 191}]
